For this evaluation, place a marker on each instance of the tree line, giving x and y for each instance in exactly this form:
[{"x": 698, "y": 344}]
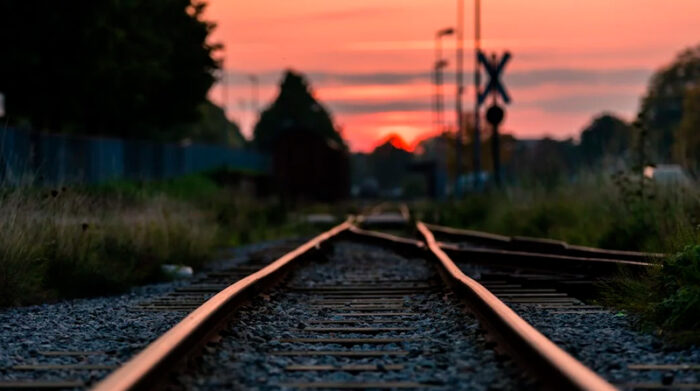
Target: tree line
[{"x": 122, "y": 68}]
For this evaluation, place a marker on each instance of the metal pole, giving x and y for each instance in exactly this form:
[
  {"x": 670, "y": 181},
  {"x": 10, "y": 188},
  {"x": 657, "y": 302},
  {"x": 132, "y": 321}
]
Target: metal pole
[
  {"x": 477, "y": 87},
  {"x": 436, "y": 103},
  {"x": 496, "y": 147},
  {"x": 458, "y": 100},
  {"x": 439, "y": 65}
]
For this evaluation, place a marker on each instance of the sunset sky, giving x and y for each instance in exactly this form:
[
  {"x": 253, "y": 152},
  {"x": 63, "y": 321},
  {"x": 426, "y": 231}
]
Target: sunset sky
[{"x": 369, "y": 61}]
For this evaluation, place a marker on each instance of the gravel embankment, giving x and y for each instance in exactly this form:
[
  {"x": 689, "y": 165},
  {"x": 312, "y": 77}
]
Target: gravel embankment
[
  {"x": 108, "y": 327},
  {"x": 445, "y": 347},
  {"x": 608, "y": 343}
]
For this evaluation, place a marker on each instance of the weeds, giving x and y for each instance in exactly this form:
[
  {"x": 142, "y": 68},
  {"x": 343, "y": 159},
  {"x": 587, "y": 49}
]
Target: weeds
[
  {"x": 86, "y": 241},
  {"x": 64, "y": 243},
  {"x": 595, "y": 212},
  {"x": 666, "y": 301}
]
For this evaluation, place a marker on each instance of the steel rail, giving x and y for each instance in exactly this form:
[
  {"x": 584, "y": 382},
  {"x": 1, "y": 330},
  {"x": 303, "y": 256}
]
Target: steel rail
[
  {"x": 386, "y": 238},
  {"x": 145, "y": 370},
  {"x": 539, "y": 261},
  {"x": 552, "y": 366},
  {"x": 539, "y": 245}
]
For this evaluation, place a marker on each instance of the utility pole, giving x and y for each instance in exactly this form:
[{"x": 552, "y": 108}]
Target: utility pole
[
  {"x": 477, "y": 87},
  {"x": 458, "y": 100},
  {"x": 440, "y": 64},
  {"x": 438, "y": 84},
  {"x": 436, "y": 115}
]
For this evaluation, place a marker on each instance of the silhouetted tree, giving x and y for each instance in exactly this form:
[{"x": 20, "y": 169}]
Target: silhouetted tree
[
  {"x": 662, "y": 107},
  {"x": 545, "y": 162},
  {"x": 389, "y": 164},
  {"x": 212, "y": 127},
  {"x": 129, "y": 68},
  {"x": 607, "y": 137},
  {"x": 295, "y": 109}
]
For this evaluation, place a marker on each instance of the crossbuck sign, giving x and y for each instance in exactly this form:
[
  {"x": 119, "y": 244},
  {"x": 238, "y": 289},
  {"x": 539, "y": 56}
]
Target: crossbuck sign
[{"x": 494, "y": 68}]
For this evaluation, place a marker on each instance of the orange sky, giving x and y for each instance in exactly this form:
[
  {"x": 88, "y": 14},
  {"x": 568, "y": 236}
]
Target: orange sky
[{"x": 369, "y": 61}]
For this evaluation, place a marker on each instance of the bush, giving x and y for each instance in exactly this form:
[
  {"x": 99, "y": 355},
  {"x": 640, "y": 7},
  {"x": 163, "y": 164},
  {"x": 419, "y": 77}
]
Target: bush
[{"x": 678, "y": 303}]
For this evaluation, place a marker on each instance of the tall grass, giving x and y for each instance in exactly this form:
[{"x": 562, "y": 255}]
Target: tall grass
[
  {"x": 594, "y": 211},
  {"x": 67, "y": 243},
  {"x": 96, "y": 240}
]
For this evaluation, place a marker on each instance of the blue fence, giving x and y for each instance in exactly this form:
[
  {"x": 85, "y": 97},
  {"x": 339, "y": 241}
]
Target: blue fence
[{"x": 55, "y": 158}]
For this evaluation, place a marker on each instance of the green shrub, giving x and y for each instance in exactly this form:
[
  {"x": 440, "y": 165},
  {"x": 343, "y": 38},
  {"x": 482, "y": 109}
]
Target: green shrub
[{"x": 678, "y": 306}]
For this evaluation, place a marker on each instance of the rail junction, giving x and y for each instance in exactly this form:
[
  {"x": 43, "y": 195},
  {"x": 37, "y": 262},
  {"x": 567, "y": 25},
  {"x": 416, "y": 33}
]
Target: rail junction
[{"x": 357, "y": 308}]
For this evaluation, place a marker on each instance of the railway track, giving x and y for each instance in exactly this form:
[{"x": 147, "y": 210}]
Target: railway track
[{"x": 359, "y": 309}]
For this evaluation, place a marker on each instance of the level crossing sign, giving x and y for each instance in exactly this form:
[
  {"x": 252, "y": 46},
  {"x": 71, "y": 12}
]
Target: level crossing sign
[{"x": 494, "y": 68}]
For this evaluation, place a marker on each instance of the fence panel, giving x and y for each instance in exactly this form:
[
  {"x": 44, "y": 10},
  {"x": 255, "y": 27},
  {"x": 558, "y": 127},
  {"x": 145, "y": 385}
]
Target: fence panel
[{"x": 57, "y": 158}]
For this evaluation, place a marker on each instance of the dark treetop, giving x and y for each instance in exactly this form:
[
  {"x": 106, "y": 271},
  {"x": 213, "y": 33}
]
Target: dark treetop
[{"x": 126, "y": 68}]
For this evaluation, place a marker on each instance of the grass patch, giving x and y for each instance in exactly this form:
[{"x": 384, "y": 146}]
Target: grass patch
[
  {"x": 596, "y": 212},
  {"x": 66, "y": 243},
  {"x": 85, "y": 241},
  {"x": 666, "y": 300}
]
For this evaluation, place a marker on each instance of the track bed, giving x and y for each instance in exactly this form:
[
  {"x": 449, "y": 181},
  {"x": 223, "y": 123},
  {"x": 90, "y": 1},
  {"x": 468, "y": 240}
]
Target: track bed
[{"x": 364, "y": 317}]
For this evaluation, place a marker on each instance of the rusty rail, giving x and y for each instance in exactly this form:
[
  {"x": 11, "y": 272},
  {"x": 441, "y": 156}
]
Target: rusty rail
[
  {"x": 543, "y": 261},
  {"x": 551, "y": 365},
  {"x": 555, "y": 368},
  {"x": 146, "y": 369},
  {"x": 538, "y": 245}
]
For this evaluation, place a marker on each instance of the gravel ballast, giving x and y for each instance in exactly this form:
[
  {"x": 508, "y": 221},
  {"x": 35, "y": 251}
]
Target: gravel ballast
[
  {"x": 607, "y": 343},
  {"x": 445, "y": 348},
  {"x": 106, "y": 329},
  {"x": 603, "y": 339}
]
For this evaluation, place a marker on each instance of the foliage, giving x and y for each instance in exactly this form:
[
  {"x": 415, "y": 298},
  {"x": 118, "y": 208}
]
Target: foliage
[
  {"x": 607, "y": 137},
  {"x": 186, "y": 188},
  {"x": 680, "y": 290},
  {"x": 667, "y": 299},
  {"x": 213, "y": 127},
  {"x": 662, "y": 108},
  {"x": 295, "y": 109},
  {"x": 389, "y": 164},
  {"x": 126, "y": 68},
  {"x": 545, "y": 162}
]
